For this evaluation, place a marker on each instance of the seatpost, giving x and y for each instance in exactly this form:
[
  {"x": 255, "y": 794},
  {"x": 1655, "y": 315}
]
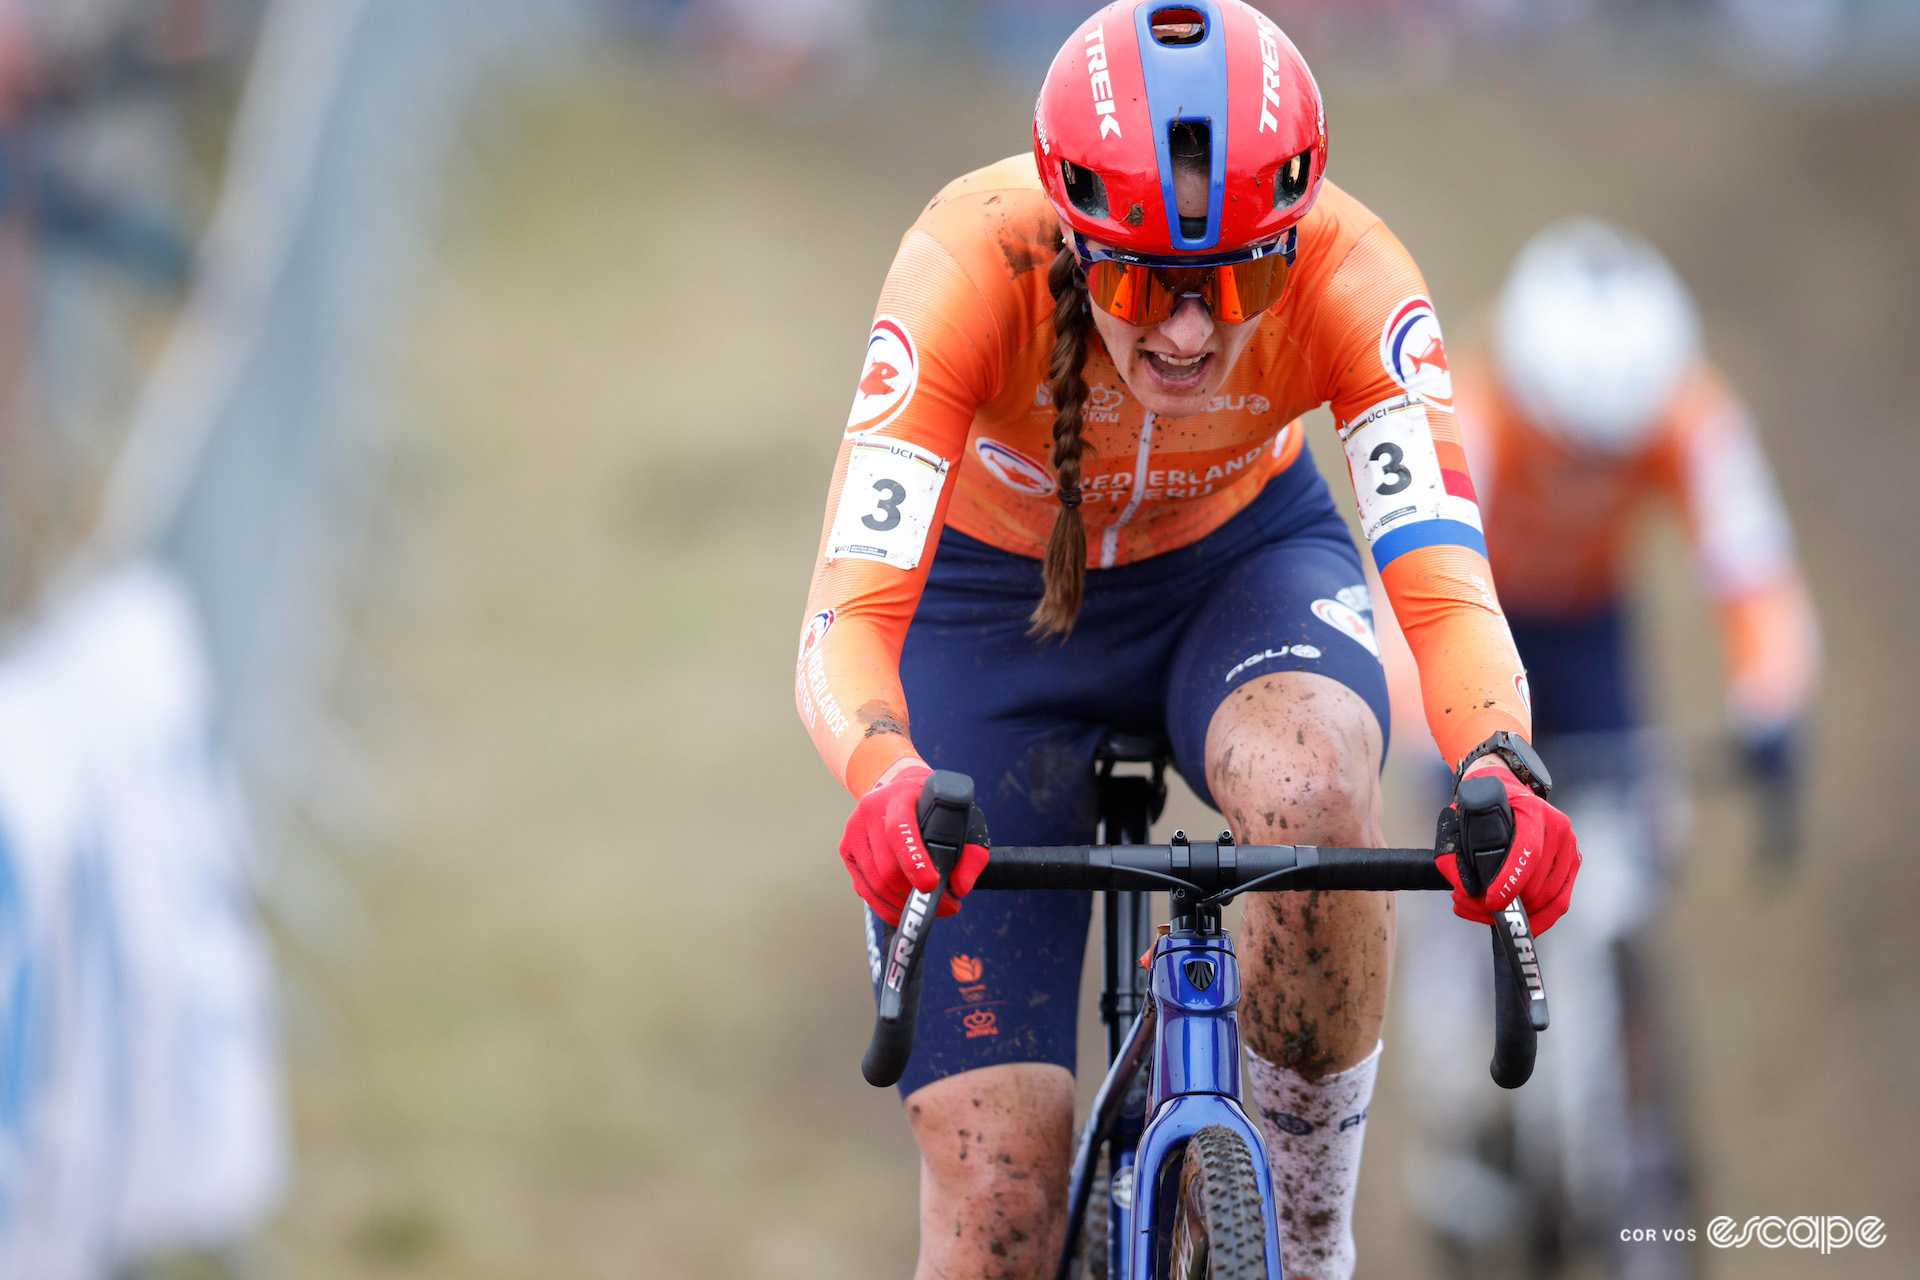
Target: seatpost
[{"x": 1128, "y": 805}]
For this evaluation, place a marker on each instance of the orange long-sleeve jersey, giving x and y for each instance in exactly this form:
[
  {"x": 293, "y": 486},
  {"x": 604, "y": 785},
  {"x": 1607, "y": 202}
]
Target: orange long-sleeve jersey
[
  {"x": 1559, "y": 527},
  {"x": 951, "y": 424}
]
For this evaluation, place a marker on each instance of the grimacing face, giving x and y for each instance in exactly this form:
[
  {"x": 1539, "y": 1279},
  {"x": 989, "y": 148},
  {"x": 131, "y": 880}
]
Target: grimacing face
[{"x": 1175, "y": 367}]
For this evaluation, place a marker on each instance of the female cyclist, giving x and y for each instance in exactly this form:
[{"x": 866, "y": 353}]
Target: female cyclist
[{"x": 1073, "y": 496}]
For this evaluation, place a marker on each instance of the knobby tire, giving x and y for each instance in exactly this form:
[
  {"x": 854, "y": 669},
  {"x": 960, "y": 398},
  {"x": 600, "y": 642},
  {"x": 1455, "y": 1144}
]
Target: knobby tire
[{"x": 1219, "y": 1232}]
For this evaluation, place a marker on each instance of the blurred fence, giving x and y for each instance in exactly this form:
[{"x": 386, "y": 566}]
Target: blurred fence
[{"x": 171, "y": 682}]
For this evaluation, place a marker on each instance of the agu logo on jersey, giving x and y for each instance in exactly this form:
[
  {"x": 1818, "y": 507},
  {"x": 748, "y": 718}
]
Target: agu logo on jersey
[
  {"x": 1013, "y": 468},
  {"x": 1413, "y": 352},
  {"x": 1525, "y": 690},
  {"x": 887, "y": 379},
  {"x": 1346, "y": 619}
]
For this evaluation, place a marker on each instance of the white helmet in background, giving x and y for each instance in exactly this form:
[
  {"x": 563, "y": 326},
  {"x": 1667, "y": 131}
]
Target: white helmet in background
[{"x": 1593, "y": 334}]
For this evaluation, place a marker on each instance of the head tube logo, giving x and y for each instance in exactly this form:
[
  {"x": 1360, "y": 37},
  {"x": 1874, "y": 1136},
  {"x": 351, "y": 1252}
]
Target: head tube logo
[
  {"x": 887, "y": 378},
  {"x": 1805, "y": 1232},
  {"x": 1013, "y": 468},
  {"x": 1414, "y": 353}
]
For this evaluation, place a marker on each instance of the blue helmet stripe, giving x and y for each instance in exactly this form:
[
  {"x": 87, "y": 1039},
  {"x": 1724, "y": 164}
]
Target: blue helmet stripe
[{"x": 1187, "y": 82}]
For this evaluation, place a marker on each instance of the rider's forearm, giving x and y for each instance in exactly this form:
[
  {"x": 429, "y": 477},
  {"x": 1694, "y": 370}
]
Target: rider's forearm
[
  {"x": 1771, "y": 641},
  {"x": 1471, "y": 680},
  {"x": 847, "y": 689},
  {"x": 885, "y": 509}
]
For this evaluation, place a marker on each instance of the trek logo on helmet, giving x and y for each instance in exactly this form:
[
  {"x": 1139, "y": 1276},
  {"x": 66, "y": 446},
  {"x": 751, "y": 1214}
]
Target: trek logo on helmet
[
  {"x": 1415, "y": 354},
  {"x": 1101, "y": 80},
  {"x": 887, "y": 378},
  {"x": 1269, "y": 73}
]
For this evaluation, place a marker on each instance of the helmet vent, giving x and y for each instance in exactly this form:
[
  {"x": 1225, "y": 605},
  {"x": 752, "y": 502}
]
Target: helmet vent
[
  {"x": 1178, "y": 26},
  {"x": 1190, "y": 145},
  {"x": 1290, "y": 180},
  {"x": 1086, "y": 190}
]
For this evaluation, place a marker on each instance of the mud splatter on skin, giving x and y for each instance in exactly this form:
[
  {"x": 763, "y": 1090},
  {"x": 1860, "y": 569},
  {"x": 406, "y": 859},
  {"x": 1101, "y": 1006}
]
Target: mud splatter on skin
[
  {"x": 1300, "y": 754},
  {"x": 999, "y": 1211},
  {"x": 881, "y": 718}
]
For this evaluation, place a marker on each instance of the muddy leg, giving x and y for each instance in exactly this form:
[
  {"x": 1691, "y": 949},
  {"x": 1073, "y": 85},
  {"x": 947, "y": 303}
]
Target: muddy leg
[{"x": 995, "y": 1145}]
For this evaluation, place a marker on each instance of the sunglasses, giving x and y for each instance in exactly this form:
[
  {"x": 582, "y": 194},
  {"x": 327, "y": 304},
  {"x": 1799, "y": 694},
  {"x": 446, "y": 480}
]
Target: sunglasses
[{"x": 1139, "y": 290}]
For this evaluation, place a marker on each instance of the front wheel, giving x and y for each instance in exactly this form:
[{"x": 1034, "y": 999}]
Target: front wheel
[{"x": 1219, "y": 1232}]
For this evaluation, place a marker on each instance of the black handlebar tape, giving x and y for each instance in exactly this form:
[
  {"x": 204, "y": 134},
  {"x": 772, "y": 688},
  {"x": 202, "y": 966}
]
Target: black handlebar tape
[
  {"x": 945, "y": 803},
  {"x": 1364, "y": 869},
  {"x": 1487, "y": 830},
  {"x": 1515, "y": 1042}
]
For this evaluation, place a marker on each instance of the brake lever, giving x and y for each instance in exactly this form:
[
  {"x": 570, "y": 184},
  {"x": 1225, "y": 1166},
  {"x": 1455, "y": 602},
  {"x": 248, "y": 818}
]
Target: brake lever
[
  {"x": 1483, "y": 839},
  {"x": 944, "y": 813}
]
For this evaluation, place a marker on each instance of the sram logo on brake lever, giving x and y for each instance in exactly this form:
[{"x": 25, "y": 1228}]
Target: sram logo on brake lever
[
  {"x": 906, "y": 939},
  {"x": 1520, "y": 930}
]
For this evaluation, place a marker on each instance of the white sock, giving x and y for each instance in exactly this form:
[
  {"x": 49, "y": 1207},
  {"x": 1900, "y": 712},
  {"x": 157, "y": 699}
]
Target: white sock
[{"x": 1314, "y": 1132}]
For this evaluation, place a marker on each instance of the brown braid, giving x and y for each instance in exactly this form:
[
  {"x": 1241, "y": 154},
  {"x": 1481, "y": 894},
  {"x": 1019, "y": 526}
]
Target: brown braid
[{"x": 1065, "y": 573}]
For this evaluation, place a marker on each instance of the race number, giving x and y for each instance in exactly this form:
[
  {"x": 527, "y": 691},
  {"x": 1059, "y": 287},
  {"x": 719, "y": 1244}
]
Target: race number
[
  {"x": 887, "y": 503},
  {"x": 1396, "y": 474}
]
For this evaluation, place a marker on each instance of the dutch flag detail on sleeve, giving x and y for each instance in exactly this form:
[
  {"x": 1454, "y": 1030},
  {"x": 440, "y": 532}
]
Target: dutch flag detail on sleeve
[{"x": 1413, "y": 491}]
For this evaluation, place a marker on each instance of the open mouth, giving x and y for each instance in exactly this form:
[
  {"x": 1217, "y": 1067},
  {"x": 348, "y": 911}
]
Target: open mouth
[{"x": 1171, "y": 373}]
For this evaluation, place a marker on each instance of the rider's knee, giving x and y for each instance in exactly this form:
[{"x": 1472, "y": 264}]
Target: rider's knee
[
  {"x": 999, "y": 1135},
  {"x": 1295, "y": 760}
]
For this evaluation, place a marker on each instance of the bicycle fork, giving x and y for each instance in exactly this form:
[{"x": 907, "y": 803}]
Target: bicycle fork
[{"x": 1195, "y": 1083}]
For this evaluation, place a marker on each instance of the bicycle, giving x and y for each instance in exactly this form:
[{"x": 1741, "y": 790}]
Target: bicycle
[{"x": 1190, "y": 1194}]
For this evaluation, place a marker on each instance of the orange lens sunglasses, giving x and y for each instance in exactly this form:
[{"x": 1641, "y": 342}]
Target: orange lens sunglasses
[{"x": 1143, "y": 291}]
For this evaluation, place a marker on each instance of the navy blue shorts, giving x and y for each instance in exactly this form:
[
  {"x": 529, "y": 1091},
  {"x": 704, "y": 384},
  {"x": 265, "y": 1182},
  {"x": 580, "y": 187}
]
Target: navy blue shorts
[
  {"x": 1159, "y": 645},
  {"x": 1579, "y": 671}
]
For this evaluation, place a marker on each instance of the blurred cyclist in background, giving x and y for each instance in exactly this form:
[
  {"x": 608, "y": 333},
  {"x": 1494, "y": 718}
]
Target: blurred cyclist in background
[{"x": 1596, "y": 409}]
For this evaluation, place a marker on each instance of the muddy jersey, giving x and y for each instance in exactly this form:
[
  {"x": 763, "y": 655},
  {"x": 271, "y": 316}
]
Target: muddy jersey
[
  {"x": 951, "y": 424},
  {"x": 1560, "y": 527}
]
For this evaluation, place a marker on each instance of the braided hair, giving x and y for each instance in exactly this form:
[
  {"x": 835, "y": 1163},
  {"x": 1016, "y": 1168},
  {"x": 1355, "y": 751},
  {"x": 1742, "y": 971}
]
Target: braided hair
[
  {"x": 1064, "y": 575},
  {"x": 1064, "y": 578}
]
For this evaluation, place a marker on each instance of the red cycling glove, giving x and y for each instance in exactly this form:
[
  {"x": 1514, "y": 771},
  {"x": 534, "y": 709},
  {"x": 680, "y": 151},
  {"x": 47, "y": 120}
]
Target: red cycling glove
[
  {"x": 1541, "y": 866},
  {"x": 884, "y": 854}
]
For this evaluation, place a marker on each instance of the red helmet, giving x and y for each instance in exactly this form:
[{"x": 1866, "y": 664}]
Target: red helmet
[{"x": 1137, "y": 68}]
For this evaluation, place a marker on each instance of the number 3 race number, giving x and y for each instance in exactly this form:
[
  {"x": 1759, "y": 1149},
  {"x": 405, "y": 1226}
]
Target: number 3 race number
[{"x": 887, "y": 503}]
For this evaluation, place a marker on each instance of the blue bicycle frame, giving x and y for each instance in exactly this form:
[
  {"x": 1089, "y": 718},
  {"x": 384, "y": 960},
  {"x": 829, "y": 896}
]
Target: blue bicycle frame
[{"x": 1195, "y": 1082}]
